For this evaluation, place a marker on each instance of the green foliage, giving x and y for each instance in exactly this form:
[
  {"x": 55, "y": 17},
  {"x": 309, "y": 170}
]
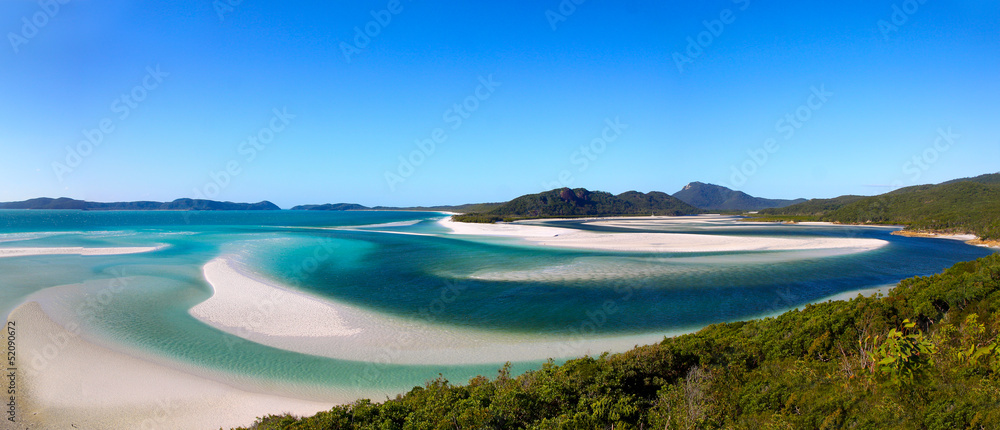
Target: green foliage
[
  {"x": 813, "y": 207},
  {"x": 477, "y": 218},
  {"x": 970, "y": 205},
  {"x": 580, "y": 203},
  {"x": 901, "y": 356},
  {"x": 926, "y": 356}
]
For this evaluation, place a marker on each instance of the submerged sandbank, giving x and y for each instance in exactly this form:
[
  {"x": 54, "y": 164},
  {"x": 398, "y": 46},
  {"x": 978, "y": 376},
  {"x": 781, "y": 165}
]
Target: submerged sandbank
[
  {"x": 20, "y": 252},
  {"x": 262, "y": 311},
  {"x": 655, "y": 242}
]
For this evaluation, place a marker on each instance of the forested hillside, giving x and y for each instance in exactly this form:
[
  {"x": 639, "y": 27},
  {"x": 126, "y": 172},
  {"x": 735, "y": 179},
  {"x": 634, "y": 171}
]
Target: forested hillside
[
  {"x": 970, "y": 205},
  {"x": 581, "y": 202},
  {"x": 715, "y": 197}
]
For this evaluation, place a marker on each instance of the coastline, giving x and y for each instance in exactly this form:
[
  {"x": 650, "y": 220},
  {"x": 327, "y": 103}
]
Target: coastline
[{"x": 969, "y": 239}]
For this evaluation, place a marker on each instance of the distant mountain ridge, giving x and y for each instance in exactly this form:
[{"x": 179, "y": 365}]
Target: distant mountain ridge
[
  {"x": 716, "y": 197},
  {"x": 578, "y": 202},
  {"x": 65, "y": 203}
]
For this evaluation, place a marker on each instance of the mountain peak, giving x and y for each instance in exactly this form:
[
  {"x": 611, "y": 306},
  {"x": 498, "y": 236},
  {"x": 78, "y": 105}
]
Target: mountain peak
[{"x": 716, "y": 197}]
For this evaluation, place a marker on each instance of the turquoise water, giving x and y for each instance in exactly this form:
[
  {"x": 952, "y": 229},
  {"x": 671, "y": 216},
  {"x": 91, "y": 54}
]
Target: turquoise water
[{"x": 139, "y": 302}]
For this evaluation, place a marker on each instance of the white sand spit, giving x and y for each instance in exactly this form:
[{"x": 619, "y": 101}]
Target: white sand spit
[
  {"x": 247, "y": 307},
  {"x": 238, "y": 297},
  {"x": 655, "y": 242},
  {"x": 20, "y": 252}
]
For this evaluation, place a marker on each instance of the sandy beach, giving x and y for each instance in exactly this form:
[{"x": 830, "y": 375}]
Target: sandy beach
[
  {"x": 20, "y": 252},
  {"x": 653, "y": 242},
  {"x": 68, "y": 382},
  {"x": 261, "y": 311}
]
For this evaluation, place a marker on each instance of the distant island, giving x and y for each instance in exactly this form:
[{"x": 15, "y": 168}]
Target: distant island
[
  {"x": 960, "y": 206},
  {"x": 65, "y": 203}
]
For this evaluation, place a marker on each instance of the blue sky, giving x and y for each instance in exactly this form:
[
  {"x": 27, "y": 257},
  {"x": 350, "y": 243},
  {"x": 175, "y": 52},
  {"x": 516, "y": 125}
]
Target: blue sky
[{"x": 285, "y": 102}]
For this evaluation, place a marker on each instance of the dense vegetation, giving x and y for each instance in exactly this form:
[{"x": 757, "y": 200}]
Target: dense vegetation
[
  {"x": 580, "y": 202},
  {"x": 970, "y": 205},
  {"x": 925, "y": 357},
  {"x": 179, "y": 204},
  {"x": 715, "y": 197},
  {"x": 814, "y": 207}
]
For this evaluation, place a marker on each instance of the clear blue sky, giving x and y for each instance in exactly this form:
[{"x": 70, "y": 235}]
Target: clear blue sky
[{"x": 559, "y": 77}]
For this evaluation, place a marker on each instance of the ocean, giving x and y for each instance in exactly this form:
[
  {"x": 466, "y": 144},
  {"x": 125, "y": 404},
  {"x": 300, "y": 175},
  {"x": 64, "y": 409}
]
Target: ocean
[{"x": 405, "y": 266}]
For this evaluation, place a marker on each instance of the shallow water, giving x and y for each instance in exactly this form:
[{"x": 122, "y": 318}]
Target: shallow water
[{"x": 402, "y": 264}]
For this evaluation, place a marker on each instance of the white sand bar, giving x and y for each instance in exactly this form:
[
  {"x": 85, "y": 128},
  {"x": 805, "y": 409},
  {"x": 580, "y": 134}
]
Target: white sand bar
[
  {"x": 67, "y": 382},
  {"x": 236, "y": 297},
  {"x": 20, "y": 252},
  {"x": 261, "y": 311},
  {"x": 655, "y": 242}
]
